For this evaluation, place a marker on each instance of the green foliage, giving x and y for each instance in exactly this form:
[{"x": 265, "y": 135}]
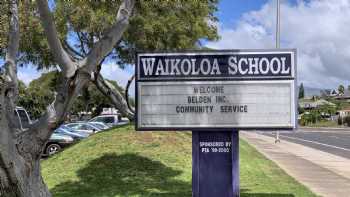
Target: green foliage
[
  {"x": 341, "y": 89},
  {"x": 92, "y": 100},
  {"x": 327, "y": 109},
  {"x": 4, "y": 21},
  {"x": 340, "y": 104},
  {"x": 155, "y": 25},
  {"x": 36, "y": 97},
  {"x": 316, "y": 115},
  {"x": 301, "y": 110},
  {"x": 301, "y": 91},
  {"x": 33, "y": 45},
  {"x": 39, "y": 94}
]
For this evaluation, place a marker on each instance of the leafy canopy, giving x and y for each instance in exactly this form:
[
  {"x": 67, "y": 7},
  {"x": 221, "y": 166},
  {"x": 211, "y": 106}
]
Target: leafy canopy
[{"x": 155, "y": 25}]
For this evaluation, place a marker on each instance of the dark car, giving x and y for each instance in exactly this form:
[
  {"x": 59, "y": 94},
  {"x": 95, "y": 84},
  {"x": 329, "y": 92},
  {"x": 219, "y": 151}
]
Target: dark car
[{"x": 56, "y": 143}]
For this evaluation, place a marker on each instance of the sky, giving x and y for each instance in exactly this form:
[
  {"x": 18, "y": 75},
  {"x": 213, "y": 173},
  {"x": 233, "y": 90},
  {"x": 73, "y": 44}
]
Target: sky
[{"x": 318, "y": 29}]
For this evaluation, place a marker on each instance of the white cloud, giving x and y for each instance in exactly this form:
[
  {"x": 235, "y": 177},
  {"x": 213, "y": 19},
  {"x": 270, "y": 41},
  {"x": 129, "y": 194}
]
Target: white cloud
[
  {"x": 319, "y": 30},
  {"x": 28, "y": 74}
]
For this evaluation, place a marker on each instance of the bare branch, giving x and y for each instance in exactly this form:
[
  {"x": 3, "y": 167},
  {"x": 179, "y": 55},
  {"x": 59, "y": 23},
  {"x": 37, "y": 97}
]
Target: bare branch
[
  {"x": 110, "y": 39},
  {"x": 46, "y": 123},
  {"x": 60, "y": 55},
  {"x": 10, "y": 58},
  {"x": 127, "y": 93},
  {"x": 56, "y": 112},
  {"x": 82, "y": 47},
  {"x": 72, "y": 52},
  {"x": 116, "y": 97},
  {"x": 13, "y": 33}
]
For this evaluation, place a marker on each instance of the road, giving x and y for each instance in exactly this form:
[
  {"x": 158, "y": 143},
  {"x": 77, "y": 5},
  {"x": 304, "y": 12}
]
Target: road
[{"x": 334, "y": 141}]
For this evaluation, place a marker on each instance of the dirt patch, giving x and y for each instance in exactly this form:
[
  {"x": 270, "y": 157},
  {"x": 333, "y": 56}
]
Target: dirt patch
[{"x": 145, "y": 137}]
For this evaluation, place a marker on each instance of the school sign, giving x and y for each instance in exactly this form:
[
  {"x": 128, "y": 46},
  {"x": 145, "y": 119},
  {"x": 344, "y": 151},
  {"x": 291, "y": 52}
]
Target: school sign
[{"x": 240, "y": 89}]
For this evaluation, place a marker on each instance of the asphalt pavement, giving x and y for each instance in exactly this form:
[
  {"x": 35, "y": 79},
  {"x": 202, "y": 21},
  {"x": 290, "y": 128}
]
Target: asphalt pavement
[{"x": 331, "y": 140}]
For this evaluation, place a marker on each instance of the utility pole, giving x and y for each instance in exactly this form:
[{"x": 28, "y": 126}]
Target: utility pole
[
  {"x": 278, "y": 25},
  {"x": 277, "y": 139}
]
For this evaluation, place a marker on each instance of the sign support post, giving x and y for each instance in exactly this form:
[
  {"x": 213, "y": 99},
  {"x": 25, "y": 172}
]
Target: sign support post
[{"x": 215, "y": 163}]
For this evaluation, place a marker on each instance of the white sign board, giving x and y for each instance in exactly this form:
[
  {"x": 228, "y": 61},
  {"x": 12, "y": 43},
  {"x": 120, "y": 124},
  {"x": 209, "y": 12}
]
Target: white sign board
[{"x": 229, "y": 90}]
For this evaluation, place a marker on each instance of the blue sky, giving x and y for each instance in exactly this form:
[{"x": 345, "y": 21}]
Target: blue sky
[
  {"x": 317, "y": 29},
  {"x": 231, "y": 10}
]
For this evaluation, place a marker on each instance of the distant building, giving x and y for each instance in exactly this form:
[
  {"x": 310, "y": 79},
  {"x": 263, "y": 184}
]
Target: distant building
[
  {"x": 344, "y": 112},
  {"x": 313, "y": 104},
  {"x": 334, "y": 93},
  {"x": 345, "y": 96},
  {"x": 110, "y": 111},
  {"x": 328, "y": 93}
]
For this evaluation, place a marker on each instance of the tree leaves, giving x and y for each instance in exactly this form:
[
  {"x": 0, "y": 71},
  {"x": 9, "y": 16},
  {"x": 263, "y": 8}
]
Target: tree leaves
[{"x": 155, "y": 25}]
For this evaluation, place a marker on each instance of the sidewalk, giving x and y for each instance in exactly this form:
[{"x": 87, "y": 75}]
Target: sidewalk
[{"x": 323, "y": 173}]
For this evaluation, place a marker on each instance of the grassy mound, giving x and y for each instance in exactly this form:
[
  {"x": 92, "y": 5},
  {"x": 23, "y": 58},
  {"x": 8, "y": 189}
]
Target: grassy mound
[{"x": 122, "y": 162}]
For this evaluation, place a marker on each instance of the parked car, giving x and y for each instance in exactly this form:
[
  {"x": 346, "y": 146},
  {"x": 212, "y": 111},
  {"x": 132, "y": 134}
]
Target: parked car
[
  {"x": 84, "y": 127},
  {"x": 110, "y": 120},
  {"x": 100, "y": 125},
  {"x": 56, "y": 143},
  {"x": 76, "y": 135}
]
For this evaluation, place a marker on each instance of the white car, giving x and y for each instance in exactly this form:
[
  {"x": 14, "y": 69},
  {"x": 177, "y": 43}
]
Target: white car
[
  {"x": 100, "y": 125},
  {"x": 23, "y": 118},
  {"x": 109, "y": 120}
]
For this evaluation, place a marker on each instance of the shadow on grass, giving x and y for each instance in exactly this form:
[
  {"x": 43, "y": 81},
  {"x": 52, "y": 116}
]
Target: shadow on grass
[
  {"x": 131, "y": 175},
  {"x": 245, "y": 194},
  {"x": 124, "y": 175}
]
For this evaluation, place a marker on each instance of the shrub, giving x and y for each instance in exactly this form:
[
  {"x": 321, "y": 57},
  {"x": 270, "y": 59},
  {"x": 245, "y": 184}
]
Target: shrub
[
  {"x": 340, "y": 121},
  {"x": 347, "y": 120}
]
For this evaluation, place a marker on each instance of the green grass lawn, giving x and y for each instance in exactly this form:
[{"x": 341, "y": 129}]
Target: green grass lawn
[{"x": 122, "y": 162}]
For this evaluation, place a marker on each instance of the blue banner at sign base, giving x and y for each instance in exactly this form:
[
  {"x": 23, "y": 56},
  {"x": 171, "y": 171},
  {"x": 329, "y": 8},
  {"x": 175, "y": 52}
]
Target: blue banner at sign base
[{"x": 215, "y": 164}]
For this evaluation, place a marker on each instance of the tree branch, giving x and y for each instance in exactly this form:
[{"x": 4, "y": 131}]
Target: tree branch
[
  {"x": 127, "y": 93},
  {"x": 13, "y": 40},
  {"x": 56, "y": 112},
  {"x": 13, "y": 43},
  {"x": 82, "y": 47},
  {"x": 61, "y": 56},
  {"x": 116, "y": 97},
  {"x": 108, "y": 41},
  {"x": 72, "y": 52},
  {"x": 11, "y": 80}
]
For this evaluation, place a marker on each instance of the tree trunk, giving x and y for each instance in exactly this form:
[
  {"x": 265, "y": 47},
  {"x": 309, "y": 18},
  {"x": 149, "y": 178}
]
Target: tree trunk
[
  {"x": 22, "y": 180},
  {"x": 20, "y": 152}
]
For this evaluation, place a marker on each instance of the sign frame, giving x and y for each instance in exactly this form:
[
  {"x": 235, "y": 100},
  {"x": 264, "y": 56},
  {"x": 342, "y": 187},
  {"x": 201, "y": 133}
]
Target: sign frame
[{"x": 292, "y": 78}]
